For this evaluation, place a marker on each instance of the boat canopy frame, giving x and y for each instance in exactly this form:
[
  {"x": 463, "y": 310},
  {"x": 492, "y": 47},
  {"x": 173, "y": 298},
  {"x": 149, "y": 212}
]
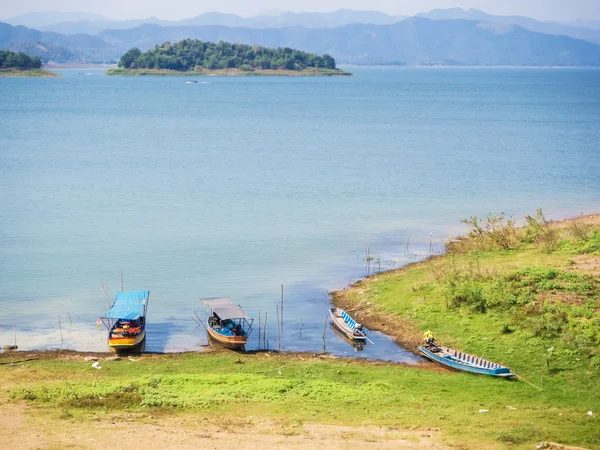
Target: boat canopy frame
[
  {"x": 225, "y": 309},
  {"x": 127, "y": 305}
]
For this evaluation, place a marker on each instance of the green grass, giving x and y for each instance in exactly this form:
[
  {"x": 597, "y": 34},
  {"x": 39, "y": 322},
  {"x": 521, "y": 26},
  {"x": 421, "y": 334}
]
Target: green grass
[
  {"x": 314, "y": 390},
  {"x": 510, "y": 305}
]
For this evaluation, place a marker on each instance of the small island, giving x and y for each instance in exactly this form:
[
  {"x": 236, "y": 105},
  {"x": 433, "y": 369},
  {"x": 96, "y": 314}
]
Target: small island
[
  {"x": 21, "y": 65},
  {"x": 194, "y": 57}
]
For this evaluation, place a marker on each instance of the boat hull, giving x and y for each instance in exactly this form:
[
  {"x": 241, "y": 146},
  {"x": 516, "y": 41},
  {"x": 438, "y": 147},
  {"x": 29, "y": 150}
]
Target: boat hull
[
  {"x": 455, "y": 360},
  {"x": 340, "y": 324},
  {"x": 126, "y": 343},
  {"x": 231, "y": 342}
]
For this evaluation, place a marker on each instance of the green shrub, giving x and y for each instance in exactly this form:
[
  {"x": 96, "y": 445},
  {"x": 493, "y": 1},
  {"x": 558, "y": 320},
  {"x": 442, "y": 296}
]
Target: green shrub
[
  {"x": 494, "y": 233},
  {"x": 539, "y": 232}
]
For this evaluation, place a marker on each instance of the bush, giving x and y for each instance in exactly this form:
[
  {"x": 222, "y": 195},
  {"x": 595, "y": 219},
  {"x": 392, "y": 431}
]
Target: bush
[
  {"x": 494, "y": 233},
  {"x": 539, "y": 231},
  {"x": 593, "y": 244},
  {"x": 466, "y": 292}
]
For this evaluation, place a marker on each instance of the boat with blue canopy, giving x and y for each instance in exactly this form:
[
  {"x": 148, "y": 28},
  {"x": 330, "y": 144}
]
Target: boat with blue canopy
[
  {"x": 457, "y": 360},
  {"x": 228, "y": 324},
  {"x": 126, "y": 320}
]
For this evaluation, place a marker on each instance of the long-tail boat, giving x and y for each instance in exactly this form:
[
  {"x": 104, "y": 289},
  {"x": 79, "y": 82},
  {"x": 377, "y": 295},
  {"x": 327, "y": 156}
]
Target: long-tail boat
[
  {"x": 457, "y": 360},
  {"x": 126, "y": 320},
  {"x": 228, "y": 324},
  {"x": 347, "y": 325}
]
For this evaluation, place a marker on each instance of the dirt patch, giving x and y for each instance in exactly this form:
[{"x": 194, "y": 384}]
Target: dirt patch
[
  {"x": 555, "y": 297},
  {"x": 590, "y": 219},
  {"x": 25, "y": 428},
  {"x": 555, "y": 446},
  {"x": 588, "y": 264}
]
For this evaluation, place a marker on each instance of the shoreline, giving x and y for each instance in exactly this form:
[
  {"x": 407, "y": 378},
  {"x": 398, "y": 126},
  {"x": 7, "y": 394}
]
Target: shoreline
[
  {"x": 442, "y": 66},
  {"x": 12, "y": 357},
  {"x": 68, "y": 66},
  {"x": 405, "y": 332},
  {"x": 29, "y": 73},
  {"x": 234, "y": 72}
]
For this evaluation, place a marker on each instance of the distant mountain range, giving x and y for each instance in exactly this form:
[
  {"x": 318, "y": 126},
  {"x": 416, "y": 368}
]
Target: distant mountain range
[
  {"x": 55, "y": 47},
  {"x": 525, "y": 22},
  {"x": 74, "y": 23},
  {"x": 443, "y": 40},
  {"x": 83, "y": 23}
]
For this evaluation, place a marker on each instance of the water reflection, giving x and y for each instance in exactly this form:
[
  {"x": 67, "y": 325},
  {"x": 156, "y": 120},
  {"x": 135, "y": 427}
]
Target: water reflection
[{"x": 357, "y": 345}]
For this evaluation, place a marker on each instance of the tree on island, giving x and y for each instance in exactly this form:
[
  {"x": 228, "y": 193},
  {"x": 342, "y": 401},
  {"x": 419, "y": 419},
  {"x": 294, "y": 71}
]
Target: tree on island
[
  {"x": 191, "y": 54},
  {"x": 129, "y": 58},
  {"x": 21, "y": 61}
]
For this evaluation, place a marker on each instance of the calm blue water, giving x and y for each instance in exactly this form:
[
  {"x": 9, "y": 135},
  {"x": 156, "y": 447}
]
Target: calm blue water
[{"x": 235, "y": 186}]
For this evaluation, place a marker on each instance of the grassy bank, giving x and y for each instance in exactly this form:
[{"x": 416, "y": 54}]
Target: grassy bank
[
  {"x": 41, "y": 73},
  {"x": 228, "y": 72},
  {"x": 294, "y": 389},
  {"x": 528, "y": 298}
]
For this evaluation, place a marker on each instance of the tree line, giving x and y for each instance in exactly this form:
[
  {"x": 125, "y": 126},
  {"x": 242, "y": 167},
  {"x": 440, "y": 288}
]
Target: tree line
[
  {"x": 190, "y": 54},
  {"x": 11, "y": 60}
]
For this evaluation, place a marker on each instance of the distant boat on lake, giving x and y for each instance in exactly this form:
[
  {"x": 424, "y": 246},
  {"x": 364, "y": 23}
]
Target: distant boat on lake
[
  {"x": 228, "y": 324},
  {"x": 191, "y": 82}
]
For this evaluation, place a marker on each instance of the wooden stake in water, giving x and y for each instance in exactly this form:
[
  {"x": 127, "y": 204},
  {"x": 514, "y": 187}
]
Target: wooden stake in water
[
  {"x": 60, "y": 328},
  {"x": 430, "y": 237},
  {"x": 278, "y": 330},
  {"x": 300, "y": 321},
  {"x": 282, "y": 307},
  {"x": 70, "y": 321},
  {"x": 265, "y": 332},
  {"x": 324, "y": 334},
  {"x": 259, "y": 329}
]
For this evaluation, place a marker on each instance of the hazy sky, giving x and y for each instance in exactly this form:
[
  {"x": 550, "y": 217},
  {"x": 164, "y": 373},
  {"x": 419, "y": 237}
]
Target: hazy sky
[{"x": 562, "y": 10}]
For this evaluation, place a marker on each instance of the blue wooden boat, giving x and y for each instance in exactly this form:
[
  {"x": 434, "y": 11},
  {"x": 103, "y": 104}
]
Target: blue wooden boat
[
  {"x": 456, "y": 360},
  {"x": 347, "y": 325}
]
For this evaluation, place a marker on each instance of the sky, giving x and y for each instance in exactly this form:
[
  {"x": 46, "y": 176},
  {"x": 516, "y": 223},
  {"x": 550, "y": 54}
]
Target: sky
[{"x": 558, "y": 10}]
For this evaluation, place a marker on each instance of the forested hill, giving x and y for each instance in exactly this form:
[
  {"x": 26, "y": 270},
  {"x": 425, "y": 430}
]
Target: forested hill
[
  {"x": 11, "y": 60},
  {"x": 190, "y": 54}
]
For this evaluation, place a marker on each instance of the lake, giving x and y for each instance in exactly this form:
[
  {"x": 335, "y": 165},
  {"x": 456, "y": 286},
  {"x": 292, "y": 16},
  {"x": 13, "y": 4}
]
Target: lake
[{"x": 236, "y": 186}]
